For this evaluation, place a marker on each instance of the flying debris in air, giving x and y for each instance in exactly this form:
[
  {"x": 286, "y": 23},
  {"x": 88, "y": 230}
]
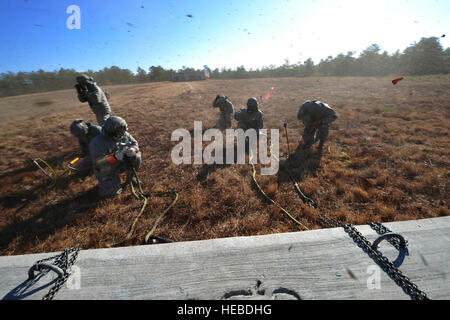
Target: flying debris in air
[{"x": 397, "y": 80}]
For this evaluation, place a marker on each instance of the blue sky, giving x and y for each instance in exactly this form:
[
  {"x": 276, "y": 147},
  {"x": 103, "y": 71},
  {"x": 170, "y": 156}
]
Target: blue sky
[{"x": 219, "y": 34}]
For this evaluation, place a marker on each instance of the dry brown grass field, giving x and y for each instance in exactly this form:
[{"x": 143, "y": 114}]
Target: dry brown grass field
[{"x": 387, "y": 159}]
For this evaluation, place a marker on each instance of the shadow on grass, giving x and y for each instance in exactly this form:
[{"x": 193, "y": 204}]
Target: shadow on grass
[
  {"x": 299, "y": 164},
  {"x": 206, "y": 169},
  {"x": 24, "y": 197},
  {"x": 30, "y": 166},
  {"x": 48, "y": 220}
]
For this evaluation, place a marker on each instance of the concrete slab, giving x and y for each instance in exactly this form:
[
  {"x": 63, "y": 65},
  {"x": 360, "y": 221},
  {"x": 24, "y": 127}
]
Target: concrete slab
[{"x": 317, "y": 264}]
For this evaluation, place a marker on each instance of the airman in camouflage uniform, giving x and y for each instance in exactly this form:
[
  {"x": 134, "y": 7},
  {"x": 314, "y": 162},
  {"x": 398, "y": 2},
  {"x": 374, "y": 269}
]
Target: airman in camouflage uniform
[
  {"x": 316, "y": 117},
  {"x": 112, "y": 152},
  {"x": 226, "y": 112},
  {"x": 85, "y": 132},
  {"x": 250, "y": 118},
  {"x": 88, "y": 91}
]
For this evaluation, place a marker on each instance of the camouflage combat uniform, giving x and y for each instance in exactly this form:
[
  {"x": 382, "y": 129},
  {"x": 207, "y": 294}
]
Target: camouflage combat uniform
[
  {"x": 85, "y": 132},
  {"x": 247, "y": 120},
  {"x": 316, "y": 117},
  {"x": 89, "y": 91},
  {"x": 108, "y": 174},
  {"x": 226, "y": 112}
]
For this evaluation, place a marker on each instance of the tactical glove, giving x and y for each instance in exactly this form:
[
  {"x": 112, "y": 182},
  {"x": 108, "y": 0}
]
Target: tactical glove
[
  {"x": 131, "y": 152},
  {"x": 119, "y": 154}
]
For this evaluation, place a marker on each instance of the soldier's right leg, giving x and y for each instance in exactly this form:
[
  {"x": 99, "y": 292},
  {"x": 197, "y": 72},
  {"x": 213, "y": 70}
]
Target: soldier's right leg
[
  {"x": 85, "y": 165},
  {"x": 322, "y": 135},
  {"x": 220, "y": 124},
  {"x": 109, "y": 186},
  {"x": 308, "y": 139},
  {"x": 228, "y": 121}
]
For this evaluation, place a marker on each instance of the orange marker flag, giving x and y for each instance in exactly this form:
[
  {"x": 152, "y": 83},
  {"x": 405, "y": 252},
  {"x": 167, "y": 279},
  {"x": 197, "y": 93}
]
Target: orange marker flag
[{"x": 397, "y": 80}]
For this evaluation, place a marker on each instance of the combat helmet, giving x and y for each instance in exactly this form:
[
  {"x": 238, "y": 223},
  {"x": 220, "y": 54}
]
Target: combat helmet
[
  {"x": 83, "y": 78},
  {"x": 78, "y": 128},
  {"x": 252, "y": 104},
  {"x": 115, "y": 127},
  {"x": 219, "y": 100}
]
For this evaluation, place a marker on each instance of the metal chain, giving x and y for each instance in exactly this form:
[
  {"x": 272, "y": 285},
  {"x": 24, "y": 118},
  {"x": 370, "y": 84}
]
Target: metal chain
[
  {"x": 380, "y": 229},
  {"x": 64, "y": 263},
  {"x": 403, "y": 281},
  {"x": 329, "y": 222}
]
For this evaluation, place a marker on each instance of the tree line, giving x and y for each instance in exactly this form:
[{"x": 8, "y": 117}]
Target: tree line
[{"x": 425, "y": 57}]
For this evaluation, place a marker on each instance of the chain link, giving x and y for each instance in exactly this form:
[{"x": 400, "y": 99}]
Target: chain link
[
  {"x": 329, "y": 221},
  {"x": 64, "y": 263},
  {"x": 403, "y": 281},
  {"x": 380, "y": 229}
]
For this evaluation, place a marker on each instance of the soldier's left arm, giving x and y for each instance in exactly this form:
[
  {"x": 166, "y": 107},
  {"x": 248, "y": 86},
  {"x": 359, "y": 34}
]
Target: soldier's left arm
[{"x": 96, "y": 95}]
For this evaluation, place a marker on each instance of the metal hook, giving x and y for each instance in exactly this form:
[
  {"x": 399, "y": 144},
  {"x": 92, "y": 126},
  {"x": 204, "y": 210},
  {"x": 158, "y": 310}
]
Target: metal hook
[
  {"x": 40, "y": 266},
  {"x": 388, "y": 236}
]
